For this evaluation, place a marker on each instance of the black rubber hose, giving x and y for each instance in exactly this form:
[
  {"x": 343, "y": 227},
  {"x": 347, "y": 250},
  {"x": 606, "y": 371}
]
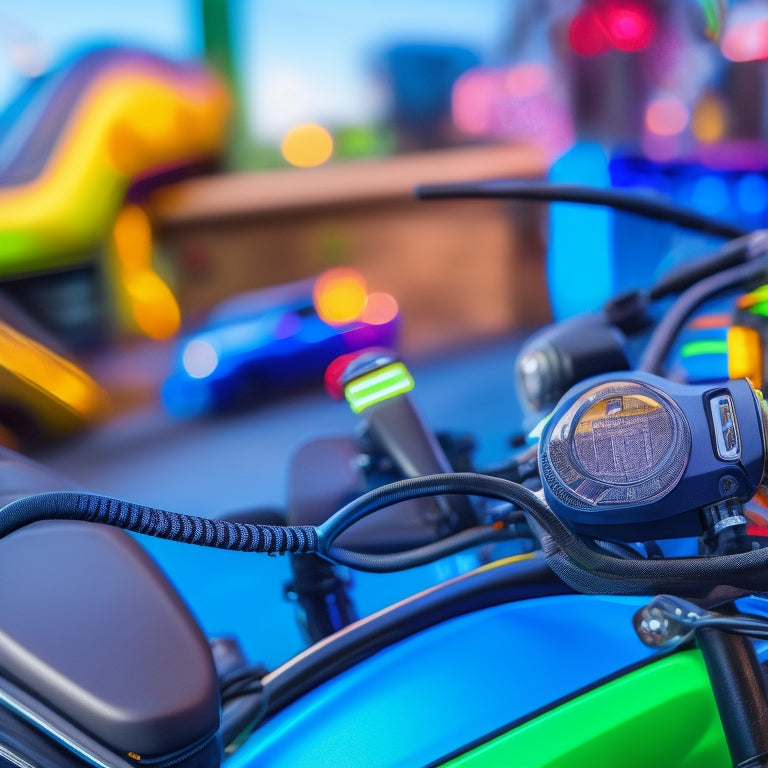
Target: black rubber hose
[
  {"x": 567, "y": 554},
  {"x": 730, "y": 254},
  {"x": 278, "y": 540},
  {"x": 189, "y": 529},
  {"x": 465, "y": 483},
  {"x": 642, "y": 205},
  {"x": 667, "y": 330}
]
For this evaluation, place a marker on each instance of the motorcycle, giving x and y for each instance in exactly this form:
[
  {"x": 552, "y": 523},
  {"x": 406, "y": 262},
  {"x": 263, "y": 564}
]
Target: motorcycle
[{"x": 619, "y": 630}]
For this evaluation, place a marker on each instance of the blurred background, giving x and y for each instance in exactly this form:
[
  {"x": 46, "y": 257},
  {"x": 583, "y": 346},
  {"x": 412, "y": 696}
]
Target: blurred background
[
  {"x": 158, "y": 159},
  {"x": 205, "y": 202},
  {"x": 325, "y": 118}
]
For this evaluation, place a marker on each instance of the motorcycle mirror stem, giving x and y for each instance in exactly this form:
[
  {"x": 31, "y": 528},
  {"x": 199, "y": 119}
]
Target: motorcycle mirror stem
[{"x": 376, "y": 386}]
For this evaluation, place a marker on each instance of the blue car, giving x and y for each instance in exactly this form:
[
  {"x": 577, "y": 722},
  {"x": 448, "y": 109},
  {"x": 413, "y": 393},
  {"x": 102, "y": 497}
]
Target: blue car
[{"x": 258, "y": 344}]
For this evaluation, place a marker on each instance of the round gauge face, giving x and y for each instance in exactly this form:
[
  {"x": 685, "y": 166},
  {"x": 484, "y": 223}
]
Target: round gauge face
[
  {"x": 622, "y": 438},
  {"x": 620, "y": 443}
]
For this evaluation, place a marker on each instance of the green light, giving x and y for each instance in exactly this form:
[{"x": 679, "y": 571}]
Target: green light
[
  {"x": 761, "y": 308},
  {"x": 704, "y": 347},
  {"x": 714, "y": 13},
  {"x": 389, "y": 381},
  {"x": 536, "y": 432}
]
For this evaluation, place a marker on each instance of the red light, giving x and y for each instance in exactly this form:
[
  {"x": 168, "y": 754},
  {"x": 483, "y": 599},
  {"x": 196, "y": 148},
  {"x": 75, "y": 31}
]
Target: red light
[
  {"x": 334, "y": 373},
  {"x": 586, "y": 33},
  {"x": 627, "y": 25}
]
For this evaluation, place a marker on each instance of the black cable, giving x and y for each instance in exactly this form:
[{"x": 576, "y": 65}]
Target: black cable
[
  {"x": 509, "y": 189},
  {"x": 189, "y": 529},
  {"x": 266, "y": 539},
  {"x": 464, "y": 483},
  {"x": 752, "y": 627},
  {"x": 401, "y": 561},
  {"x": 581, "y": 566},
  {"x": 244, "y": 681},
  {"x": 730, "y": 254},
  {"x": 665, "y": 333}
]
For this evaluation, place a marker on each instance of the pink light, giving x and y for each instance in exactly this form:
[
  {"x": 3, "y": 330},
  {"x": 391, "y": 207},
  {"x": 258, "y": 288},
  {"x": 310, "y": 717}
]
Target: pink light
[
  {"x": 527, "y": 79},
  {"x": 472, "y": 93},
  {"x": 666, "y": 116},
  {"x": 380, "y": 308},
  {"x": 746, "y": 42},
  {"x": 630, "y": 26},
  {"x": 516, "y": 103},
  {"x": 627, "y": 25}
]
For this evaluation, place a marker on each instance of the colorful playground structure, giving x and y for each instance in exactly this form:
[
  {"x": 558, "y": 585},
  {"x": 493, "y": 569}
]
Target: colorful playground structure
[{"x": 81, "y": 147}]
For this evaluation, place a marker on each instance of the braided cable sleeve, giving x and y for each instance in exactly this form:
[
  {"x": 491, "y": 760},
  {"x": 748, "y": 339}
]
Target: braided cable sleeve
[
  {"x": 189, "y": 529},
  {"x": 567, "y": 554}
]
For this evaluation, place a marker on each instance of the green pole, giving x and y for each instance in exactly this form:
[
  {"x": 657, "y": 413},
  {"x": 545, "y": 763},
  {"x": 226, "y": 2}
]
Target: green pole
[{"x": 215, "y": 18}]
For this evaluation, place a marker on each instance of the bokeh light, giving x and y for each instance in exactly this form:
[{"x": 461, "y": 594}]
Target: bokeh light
[
  {"x": 380, "y": 308},
  {"x": 307, "y": 145},
  {"x": 629, "y": 25},
  {"x": 527, "y": 79},
  {"x": 472, "y": 95},
  {"x": 335, "y": 371},
  {"x": 340, "y": 295},
  {"x": 152, "y": 304},
  {"x": 709, "y": 118},
  {"x": 586, "y": 34},
  {"x": 518, "y": 103},
  {"x": 626, "y": 25},
  {"x": 752, "y": 193},
  {"x": 710, "y": 194},
  {"x": 746, "y": 41},
  {"x": 666, "y": 116},
  {"x": 199, "y": 359}
]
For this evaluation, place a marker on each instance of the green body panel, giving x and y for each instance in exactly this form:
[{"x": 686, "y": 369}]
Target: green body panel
[{"x": 661, "y": 715}]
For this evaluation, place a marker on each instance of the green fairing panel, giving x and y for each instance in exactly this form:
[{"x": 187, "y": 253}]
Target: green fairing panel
[{"x": 663, "y": 714}]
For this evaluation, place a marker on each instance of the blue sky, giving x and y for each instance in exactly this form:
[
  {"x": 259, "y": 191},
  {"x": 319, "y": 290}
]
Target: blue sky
[
  {"x": 316, "y": 60},
  {"x": 52, "y": 28},
  {"x": 302, "y": 59}
]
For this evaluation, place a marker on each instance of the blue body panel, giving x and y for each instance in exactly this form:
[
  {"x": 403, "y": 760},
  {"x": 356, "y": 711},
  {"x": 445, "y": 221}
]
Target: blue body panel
[
  {"x": 423, "y": 697},
  {"x": 595, "y": 253}
]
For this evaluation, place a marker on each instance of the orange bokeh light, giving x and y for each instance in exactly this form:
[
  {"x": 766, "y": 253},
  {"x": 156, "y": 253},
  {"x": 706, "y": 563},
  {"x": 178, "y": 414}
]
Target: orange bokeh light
[
  {"x": 307, "y": 145},
  {"x": 340, "y": 295}
]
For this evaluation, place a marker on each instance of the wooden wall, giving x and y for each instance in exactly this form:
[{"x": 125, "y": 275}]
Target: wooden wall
[{"x": 460, "y": 270}]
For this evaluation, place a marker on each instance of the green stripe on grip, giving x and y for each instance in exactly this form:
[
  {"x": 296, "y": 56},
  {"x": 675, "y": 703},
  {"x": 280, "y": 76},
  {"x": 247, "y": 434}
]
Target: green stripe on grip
[{"x": 382, "y": 384}]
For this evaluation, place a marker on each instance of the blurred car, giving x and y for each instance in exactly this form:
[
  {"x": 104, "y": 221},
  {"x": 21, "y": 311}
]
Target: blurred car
[{"x": 262, "y": 343}]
